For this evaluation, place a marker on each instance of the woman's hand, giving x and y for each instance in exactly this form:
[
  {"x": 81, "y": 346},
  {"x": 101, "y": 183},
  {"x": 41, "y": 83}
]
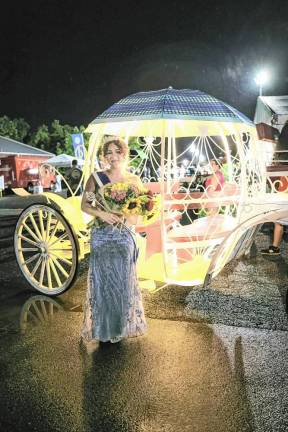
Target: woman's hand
[{"x": 110, "y": 218}]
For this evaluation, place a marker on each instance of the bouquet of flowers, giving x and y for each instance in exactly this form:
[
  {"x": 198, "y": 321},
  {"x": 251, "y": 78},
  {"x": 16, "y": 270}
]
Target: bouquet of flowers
[{"x": 129, "y": 199}]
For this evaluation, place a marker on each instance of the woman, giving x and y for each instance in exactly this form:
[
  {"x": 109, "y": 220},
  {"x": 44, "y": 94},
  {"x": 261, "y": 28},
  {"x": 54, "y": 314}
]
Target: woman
[
  {"x": 215, "y": 182},
  {"x": 113, "y": 307}
]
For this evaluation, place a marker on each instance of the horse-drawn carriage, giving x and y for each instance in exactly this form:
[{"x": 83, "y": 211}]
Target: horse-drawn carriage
[{"x": 200, "y": 228}]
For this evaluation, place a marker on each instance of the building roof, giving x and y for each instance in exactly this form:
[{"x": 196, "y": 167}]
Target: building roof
[
  {"x": 272, "y": 110},
  {"x": 9, "y": 147}
]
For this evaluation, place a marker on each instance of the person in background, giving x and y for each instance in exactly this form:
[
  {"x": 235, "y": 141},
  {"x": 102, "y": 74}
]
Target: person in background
[
  {"x": 215, "y": 181},
  {"x": 58, "y": 183},
  {"x": 182, "y": 171},
  {"x": 225, "y": 168},
  {"x": 274, "y": 249},
  {"x": 73, "y": 177}
]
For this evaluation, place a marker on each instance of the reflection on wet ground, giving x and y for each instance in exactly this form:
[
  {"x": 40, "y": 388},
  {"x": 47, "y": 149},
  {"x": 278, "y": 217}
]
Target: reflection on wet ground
[
  {"x": 209, "y": 360},
  {"x": 178, "y": 376}
]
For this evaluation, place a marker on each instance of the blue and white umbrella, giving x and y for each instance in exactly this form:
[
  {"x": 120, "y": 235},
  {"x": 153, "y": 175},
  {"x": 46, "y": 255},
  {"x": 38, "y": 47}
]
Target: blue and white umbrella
[{"x": 147, "y": 113}]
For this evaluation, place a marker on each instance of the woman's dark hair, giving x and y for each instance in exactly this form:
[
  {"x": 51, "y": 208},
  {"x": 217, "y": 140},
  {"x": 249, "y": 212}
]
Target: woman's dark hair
[{"x": 217, "y": 162}]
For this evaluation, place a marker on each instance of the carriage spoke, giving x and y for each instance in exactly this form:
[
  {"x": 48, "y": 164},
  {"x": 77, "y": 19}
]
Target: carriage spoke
[
  {"x": 40, "y": 213},
  {"x": 34, "y": 317},
  {"x": 31, "y": 232},
  {"x": 35, "y": 226},
  {"x": 48, "y": 274},
  {"x": 42, "y": 272},
  {"x": 28, "y": 249},
  {"x": 31, "y": 259},
  {"x": 28, "y": 240},
  {"x": 62, "y": 237},
  {"x": 62, "y": 258},
  {"x": 61, "y": 249},
  {"x": 51, "y": 309},
  {"x": 48, "y": 226},
  {"x": 38, "y": 313},
  {"x": 54, "y": 229},
  {"x": 63, "y": 271},
  {"x": 55, "y": 273},
  {"x": 43, "y": 308},
  {"x": 36, "y": 266}
]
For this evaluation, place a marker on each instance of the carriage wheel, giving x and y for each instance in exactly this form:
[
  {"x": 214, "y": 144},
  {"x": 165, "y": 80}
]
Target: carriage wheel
[
  {"x": 46, "y": 249},
  {"x": 37, "y": 310}
]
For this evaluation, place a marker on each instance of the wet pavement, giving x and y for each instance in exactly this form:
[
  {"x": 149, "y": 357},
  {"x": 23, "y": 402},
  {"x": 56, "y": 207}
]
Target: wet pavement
[{"x": 213, "y": 359}]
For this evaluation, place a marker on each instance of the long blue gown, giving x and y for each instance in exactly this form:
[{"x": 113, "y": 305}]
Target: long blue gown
[{"x": 113, "y": 306}]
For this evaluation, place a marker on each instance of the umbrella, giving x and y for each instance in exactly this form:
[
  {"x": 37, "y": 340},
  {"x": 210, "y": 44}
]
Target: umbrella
[{"x": 151, "y": 113}]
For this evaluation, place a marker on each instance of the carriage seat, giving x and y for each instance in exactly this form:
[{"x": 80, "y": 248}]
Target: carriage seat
[{"x": 205, "y": 228}]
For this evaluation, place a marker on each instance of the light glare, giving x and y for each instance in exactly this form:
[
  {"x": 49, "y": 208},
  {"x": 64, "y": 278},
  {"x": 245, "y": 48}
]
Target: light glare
[{"x": 262, "y": 77}]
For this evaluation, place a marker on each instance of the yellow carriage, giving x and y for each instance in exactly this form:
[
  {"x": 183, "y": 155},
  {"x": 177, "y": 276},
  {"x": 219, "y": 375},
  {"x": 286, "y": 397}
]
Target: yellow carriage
[{"x": 176, "y": 134}]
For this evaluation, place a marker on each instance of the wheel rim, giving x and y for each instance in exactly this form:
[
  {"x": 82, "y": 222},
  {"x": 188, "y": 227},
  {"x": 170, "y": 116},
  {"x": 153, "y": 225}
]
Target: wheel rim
[
  {"x": 37, "y": 310},
  {"x": 45, "y": 249}
]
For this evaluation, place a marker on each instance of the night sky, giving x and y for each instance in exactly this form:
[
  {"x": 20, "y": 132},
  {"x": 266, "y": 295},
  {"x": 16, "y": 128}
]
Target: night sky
[{"x": 67, "y": 62}]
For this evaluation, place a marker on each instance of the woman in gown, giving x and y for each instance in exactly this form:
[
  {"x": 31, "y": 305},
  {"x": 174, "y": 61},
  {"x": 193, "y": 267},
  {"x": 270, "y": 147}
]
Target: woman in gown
[{"x": 113, "y": 308}]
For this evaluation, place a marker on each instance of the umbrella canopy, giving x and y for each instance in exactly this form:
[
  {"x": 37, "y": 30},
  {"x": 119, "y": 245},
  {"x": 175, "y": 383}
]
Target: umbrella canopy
[
  {"x": 153, "y": 112},
  {"x": 63, "y": 161}
]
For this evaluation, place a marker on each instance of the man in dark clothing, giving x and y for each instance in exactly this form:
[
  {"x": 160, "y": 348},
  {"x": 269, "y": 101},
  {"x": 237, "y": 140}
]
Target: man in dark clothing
[{"x": 73, "y": 177}]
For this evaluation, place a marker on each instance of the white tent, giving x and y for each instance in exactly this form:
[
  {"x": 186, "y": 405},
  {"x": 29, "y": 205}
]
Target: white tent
[
  {"x": 63, "y": 161},
  {"x": 10, "y": 147}
]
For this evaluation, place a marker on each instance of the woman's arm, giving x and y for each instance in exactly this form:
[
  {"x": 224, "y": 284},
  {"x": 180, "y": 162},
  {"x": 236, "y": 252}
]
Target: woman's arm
[
  {"x": 86, "y": 203},
  {"x": 87, "y": 207},
  {"x": 218, "y": 181},
  {"x": 214, "y": 183}
]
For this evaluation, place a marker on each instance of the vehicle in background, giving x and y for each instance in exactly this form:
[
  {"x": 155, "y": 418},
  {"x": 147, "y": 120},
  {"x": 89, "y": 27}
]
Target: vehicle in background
[{"x": 27, "y": 172}]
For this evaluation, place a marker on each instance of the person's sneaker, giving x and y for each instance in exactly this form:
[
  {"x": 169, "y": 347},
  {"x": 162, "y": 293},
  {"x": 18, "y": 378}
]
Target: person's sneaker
[{"x": 272, "y": 251}]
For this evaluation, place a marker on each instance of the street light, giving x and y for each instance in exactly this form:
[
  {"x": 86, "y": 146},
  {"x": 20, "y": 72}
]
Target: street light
[{"x": 261, "y": 79}]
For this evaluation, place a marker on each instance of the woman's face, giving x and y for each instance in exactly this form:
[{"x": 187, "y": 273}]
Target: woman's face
[
  {"x": 214, "y": 166},
  {"x": 115, "y": 156}
]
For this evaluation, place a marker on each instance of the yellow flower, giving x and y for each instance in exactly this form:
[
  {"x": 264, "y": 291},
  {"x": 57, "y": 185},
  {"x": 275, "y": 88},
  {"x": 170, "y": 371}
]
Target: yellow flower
[
  {"x": 119, "y": 186},
  {"x": 132, "y": 206}
]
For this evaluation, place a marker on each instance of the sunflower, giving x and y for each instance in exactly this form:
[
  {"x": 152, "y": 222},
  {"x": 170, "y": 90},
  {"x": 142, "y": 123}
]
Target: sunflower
[
  {"x": 154, "y": 214},
  {"x": 132, "y": 206}
]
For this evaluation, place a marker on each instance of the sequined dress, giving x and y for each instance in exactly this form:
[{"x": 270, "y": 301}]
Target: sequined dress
[{"x": 113, "y": 306}]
